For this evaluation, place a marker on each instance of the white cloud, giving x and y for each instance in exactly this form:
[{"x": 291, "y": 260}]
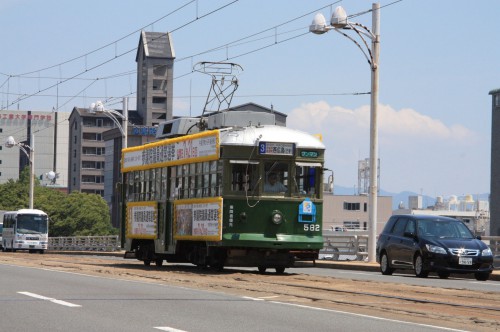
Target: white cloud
[{"x": 416, "y": 151}]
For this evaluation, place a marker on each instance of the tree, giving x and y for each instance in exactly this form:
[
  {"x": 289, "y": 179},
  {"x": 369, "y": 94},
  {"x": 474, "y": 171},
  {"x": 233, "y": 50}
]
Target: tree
[{"x": 70, "y": 214}]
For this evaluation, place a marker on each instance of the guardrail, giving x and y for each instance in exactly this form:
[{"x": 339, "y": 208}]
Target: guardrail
[
  {"x": 343, "y": 246},
  {"x": 85, "y": 243}
]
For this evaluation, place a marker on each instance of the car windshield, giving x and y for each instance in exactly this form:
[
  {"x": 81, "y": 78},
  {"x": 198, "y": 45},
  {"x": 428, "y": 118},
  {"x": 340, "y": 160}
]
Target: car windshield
[{"x": 443, "y": 229}]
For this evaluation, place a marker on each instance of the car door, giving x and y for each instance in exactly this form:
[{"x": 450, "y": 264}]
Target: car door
[
  {"x": 408, "y": 243},
  {"x": 403, "y": 245},
  {"x": 394, "y": 241}
]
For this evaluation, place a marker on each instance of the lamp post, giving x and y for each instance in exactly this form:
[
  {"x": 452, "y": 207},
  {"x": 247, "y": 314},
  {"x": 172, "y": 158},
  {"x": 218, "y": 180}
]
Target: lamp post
[
  {"x": 11, "y": 142},
  {"x": 98, "y": 107},
  {"x": 339, "y": 23}
]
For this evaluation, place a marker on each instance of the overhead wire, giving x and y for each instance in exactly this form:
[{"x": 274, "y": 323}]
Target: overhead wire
[{"x": 234, "y": 43}]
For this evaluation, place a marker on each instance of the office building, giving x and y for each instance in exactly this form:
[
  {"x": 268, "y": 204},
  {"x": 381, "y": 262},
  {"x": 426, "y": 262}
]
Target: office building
[{"x": 49, "y": 131}]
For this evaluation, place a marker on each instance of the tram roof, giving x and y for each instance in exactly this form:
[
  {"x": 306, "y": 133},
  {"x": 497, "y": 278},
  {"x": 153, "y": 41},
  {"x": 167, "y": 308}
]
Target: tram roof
[{"x": 249, "y": 135}]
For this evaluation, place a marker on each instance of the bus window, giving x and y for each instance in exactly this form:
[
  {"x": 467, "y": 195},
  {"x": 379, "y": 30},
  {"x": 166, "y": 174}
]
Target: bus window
[{"x": 276, "y": 177}]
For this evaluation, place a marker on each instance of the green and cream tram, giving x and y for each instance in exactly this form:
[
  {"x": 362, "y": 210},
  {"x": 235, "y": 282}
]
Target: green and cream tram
[{"x": 207, "y": 198}]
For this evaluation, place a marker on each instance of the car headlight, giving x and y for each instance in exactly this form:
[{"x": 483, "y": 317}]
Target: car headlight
[
  {"x": 435, "y": 249},
  {"x": 486, "y": 252},
  {"x": 277, "y": 217}
]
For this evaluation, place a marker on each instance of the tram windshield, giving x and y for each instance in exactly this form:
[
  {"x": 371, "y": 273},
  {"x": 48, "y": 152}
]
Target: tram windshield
[{"x": 276, "y": 178}]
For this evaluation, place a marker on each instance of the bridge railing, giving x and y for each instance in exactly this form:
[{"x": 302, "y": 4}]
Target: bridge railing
[{"x": 85, "y": 243}]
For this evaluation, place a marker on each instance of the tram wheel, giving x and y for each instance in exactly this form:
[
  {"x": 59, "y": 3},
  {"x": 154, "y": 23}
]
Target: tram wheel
[
  {"x": 147, "y": 262},
  {"x": 262, "y": 269},
  {"x": 159, "y": 262},
  {"x": 280, "y": 269}
]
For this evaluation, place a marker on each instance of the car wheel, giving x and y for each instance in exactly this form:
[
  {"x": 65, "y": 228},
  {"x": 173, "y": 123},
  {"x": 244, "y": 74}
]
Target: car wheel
[
  {"x": 384, "y": 265},
  {"x": 420, "y": 270},
  {"x": 481, "y": 276},
  {"x": 443, "y": 275}
]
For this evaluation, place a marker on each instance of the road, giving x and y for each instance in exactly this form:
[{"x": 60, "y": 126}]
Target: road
[
  {"x": 34, "y": 299},
  {"x": 116, "y": 294}
]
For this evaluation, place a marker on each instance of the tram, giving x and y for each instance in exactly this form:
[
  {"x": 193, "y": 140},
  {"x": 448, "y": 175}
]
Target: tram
[{"x": 205, "y": 198}]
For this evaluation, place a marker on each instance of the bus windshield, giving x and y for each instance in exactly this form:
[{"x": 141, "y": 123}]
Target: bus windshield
[{"x": 31, "y": 224}]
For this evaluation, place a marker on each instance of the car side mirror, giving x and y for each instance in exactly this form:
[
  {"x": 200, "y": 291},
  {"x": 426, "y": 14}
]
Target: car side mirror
[{"x": 478, "y": 237}]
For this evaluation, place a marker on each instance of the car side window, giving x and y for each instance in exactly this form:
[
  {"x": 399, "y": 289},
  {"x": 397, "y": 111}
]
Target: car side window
[
  {"x": 410, "y": 227},
  {"x": 399, "y": 227}
]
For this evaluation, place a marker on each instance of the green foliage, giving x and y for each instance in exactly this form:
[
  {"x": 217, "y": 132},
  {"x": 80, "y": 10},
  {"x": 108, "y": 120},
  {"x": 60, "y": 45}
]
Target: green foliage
[{"x": 75, "y": 214}]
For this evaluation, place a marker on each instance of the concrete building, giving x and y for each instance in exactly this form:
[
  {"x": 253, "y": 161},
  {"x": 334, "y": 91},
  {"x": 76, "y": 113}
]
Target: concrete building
[
  {"x": 96, "y": 143},
  {"x": 350, "y": 212},
  {"x": 50, "y": 143},
  {"x": 155, "y": 75},
  {"x": 495, "y": 164}
]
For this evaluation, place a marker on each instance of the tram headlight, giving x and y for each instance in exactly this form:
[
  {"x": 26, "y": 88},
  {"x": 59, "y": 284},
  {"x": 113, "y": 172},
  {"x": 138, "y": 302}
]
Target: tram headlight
[{"x": 277, "y": 217}]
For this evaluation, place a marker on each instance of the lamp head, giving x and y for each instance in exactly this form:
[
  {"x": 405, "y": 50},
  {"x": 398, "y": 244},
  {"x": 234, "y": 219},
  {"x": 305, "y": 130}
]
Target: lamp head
[
  {"x": 339, "y": 18},
  {"x": 318, "y": 25},
  {"x": 10, "y": 142},
  {"x": 99, "y": 107}
]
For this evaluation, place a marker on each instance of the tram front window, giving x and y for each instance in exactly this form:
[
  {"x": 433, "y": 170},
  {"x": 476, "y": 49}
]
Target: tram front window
[
  {"x": 306, "y": 183},
  {"x": 244, "y": 176},
  {"x": 276, "y": 177}
]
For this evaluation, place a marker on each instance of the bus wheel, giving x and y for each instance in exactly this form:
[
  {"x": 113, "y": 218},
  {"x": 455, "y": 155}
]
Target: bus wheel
[
  {"x": 41, "y": 251},
  {"x": 147, "y": 262},
  {"x": 262, "y": 269},
  {"x": 159, "y": 262}
]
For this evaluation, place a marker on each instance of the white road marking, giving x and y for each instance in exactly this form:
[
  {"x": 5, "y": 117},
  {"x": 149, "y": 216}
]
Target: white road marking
[
  {"x": 168, "y": 329},
  {"x": 368, "y": 316},
  {"x": 41, "y": 297}
]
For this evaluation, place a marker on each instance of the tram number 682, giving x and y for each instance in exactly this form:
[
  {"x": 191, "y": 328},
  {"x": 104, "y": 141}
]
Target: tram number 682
[{"x": 311, "y": 227}]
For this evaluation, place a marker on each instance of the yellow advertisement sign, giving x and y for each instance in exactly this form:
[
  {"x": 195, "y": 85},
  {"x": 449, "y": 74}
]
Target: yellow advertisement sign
[
  {"x": 175, "y": 151},
  {"x": 142, "y": 219},
  {"x": 198, "y": 219}
]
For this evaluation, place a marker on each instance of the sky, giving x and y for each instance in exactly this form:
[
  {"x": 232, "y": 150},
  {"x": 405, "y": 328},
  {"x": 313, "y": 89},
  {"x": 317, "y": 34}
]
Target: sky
[{"x": 438, "y": 62}]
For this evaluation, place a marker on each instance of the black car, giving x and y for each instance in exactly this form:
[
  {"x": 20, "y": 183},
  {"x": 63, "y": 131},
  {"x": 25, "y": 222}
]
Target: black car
[{"x": 438, "y": 244}]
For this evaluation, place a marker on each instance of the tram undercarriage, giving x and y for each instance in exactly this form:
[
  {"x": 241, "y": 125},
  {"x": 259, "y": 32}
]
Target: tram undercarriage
[{"x": 217, "y": 257}]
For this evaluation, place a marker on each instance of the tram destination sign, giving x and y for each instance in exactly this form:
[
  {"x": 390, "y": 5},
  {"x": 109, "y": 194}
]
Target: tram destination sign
[
  {"x": 277, "y": 148},
  {"x": 309, "y": 154}
]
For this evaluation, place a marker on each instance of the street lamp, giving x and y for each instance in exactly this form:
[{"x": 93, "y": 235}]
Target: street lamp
[
  {"x": 11, "y": 142},
  {"x": 339, "y": 21},
  {"x": 98, "y": 107}
]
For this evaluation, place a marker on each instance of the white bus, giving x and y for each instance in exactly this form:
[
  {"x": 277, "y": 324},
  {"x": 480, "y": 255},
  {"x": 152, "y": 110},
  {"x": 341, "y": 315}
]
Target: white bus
[{"x": 25, "y": 229}]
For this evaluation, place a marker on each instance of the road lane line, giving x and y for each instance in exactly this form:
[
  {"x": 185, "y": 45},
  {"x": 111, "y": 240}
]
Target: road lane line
[
  {"x": 41, "y": 297},
  {"x": 168, "y": 329}
]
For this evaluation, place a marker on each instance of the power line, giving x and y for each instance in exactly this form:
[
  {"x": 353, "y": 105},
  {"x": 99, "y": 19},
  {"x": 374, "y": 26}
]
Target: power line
[
  {"x": 109, "y": 60},
  {"x": 234, "y": 43}
]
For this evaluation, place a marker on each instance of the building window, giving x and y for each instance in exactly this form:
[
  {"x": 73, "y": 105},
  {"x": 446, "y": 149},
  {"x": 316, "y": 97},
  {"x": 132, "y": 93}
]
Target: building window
[
  {"x": 365, "y": 208},
  {"x": 159, "y": 100},
  {"x": 351, "y": 224},
  {"x": 352, "y": 206}
]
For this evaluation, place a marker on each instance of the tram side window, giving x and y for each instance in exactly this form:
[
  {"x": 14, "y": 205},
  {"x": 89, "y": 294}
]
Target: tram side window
[
  {"x": 276, "y": 177},
  {"x": 244, "y": 176},
  {"x": 198, "y": 180},
  {"x": 305, "y": 181}
]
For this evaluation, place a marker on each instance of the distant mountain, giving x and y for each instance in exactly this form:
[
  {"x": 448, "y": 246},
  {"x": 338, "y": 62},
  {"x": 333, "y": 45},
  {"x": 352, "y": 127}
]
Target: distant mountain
[{"x": 403, "y": 196}]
